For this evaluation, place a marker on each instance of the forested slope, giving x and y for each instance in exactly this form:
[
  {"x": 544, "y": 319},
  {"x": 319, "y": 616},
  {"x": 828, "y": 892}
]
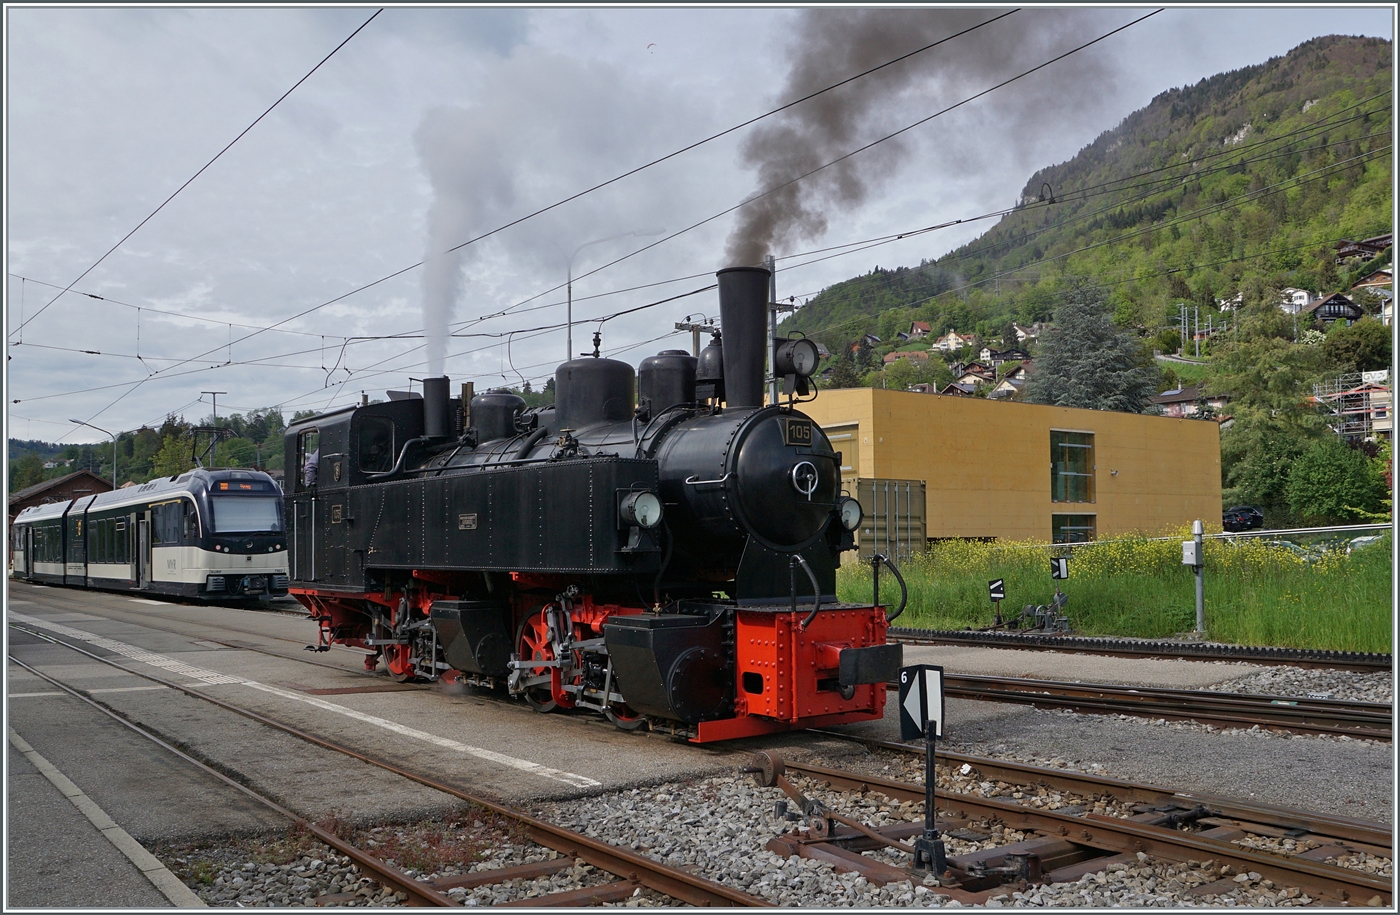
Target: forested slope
[{"x": 1241, "y": 183}]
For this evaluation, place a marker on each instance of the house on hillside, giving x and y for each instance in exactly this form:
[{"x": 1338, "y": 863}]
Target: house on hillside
[
  {"x": 1024, "y": 333},
  {"x": 953, "y": 341},
  {"x": 1335, "y": 307},
  {"x": 1188, "y": 401},
  {"x": 1376, "y": 281},
  {"x": 1292, "y": 300},
  {"x": 958, "y": 389},
  {"x": 919, "y": 329},
  {"x": 1012, "y": 385},
  {"x": 1357, "y": 405},
  {"x": 973, "y": 372},
  {"x": 995, "y": 358},
  {"x": 1231, "y": 303},
  {"x": 917, "y": 357},
  {"x": 1365, "y": 248}
]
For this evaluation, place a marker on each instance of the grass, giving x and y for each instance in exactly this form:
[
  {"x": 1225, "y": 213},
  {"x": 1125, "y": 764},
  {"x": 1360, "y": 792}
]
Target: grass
[
  {"x": 1188, "y": 373},
  {"x": 1255, "y": 593}
]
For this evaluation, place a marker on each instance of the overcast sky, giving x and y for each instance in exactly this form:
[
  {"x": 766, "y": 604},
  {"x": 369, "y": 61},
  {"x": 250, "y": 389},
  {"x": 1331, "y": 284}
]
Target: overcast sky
[{"x": 434, "y": 126}]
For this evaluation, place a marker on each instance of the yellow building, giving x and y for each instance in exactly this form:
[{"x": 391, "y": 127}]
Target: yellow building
[{"x": 1024, "y": 471}]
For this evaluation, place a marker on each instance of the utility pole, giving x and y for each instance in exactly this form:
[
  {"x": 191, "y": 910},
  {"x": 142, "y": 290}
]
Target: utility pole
[
  {"x": 1196, "y": 332},
  {"x": 114, "y": 450},
  {"x": 569, "y": 317},
  {"x": 695, "y": 328},
  {"x": 214, "y": 448}
]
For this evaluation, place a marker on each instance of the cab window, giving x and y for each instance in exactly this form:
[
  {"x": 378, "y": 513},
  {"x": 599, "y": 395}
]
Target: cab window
[
  {"x": 308, "y": 457},
  {"x": 376, "y": 444}
]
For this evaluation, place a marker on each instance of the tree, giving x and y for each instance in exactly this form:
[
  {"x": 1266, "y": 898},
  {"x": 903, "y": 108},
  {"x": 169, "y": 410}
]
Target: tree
[
  {"x": 1331, "y": 482},
  {"x": 26, "y": 471},
  {"x": 843, "y": 374},
  {"x": 174, "y": 457},
  {"x": 1086, "y": 361},
  {"x": 1363, "y": 347}
]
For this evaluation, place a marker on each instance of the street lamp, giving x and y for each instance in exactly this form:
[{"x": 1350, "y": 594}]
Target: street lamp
[
  {"x": 569, "y": 318},
  {"x": 114, "y": 447}
]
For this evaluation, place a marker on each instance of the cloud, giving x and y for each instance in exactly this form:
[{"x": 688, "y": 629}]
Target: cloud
[{"x": 112, "y": 109}]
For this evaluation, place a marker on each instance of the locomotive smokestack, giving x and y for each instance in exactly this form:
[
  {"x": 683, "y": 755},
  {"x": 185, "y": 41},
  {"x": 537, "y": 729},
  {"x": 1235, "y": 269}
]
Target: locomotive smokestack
[
  {"x": 437, "y": 414},
  {"x": 743, "y": 307}
]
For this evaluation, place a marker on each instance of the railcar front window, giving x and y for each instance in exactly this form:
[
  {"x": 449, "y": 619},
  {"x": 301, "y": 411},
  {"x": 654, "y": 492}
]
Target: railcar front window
[{"x": 241, "y": 514}]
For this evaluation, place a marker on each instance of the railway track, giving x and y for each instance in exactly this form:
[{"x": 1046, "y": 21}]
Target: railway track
[
  {"x": 1234, "y": 710},
  {"x": 631, "y": 869},
  {"x": 1370, "y": 720},
  {"x": 1148, "y": 648},
  {"x": 1063, "y": 846}
]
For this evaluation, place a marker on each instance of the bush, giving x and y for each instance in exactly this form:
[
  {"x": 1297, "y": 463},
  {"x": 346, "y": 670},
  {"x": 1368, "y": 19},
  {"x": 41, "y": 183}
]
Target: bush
[{"x": 1331, "y": 482}]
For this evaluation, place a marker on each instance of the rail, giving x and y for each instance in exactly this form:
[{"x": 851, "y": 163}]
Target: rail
[
  {"x": 1083, "y": 843},
  {"x": 1300, "y": 715},
  {"x": 673, "y": 882},
  {"x": 1149, "y": 648}
]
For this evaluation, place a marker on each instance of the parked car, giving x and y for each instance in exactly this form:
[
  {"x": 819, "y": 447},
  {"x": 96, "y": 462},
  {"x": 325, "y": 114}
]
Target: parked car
[
  {"x": 1242, "y": 518},
  {"x": 1368, "y": 540}
]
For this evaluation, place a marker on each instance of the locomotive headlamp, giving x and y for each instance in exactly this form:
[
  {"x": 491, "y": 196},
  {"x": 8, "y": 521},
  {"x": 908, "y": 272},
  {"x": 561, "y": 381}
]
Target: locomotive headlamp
[
  {"x": 796, "y": 357},
  {"x": 641, "y": 508},
  {"x": 851, "y": 513}
]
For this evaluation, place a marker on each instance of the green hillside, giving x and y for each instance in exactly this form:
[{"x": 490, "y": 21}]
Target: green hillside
[{"x": 1240, "y": 184}]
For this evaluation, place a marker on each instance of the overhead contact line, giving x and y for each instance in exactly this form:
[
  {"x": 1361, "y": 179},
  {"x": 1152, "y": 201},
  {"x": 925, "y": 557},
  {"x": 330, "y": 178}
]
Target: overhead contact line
[{"x": 202, "y": 169}]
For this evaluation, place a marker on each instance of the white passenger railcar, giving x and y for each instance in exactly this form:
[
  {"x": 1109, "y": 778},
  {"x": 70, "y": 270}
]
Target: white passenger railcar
[{"x": 212, "y": 534}]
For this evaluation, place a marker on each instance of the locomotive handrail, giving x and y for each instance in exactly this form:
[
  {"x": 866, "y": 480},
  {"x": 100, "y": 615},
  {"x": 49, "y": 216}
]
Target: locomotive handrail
[
  {"x": 875, "y": 562},
  {"x": 691, "y": 481},
  {"x": 796, "y": 560},
  {"x": 398, "y": 465}
]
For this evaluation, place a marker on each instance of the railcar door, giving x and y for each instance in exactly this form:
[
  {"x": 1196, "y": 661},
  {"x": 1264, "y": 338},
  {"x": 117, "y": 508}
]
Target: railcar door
[
  {"x": 143, "y": 549},
  {"x": 28, "y": 536}
]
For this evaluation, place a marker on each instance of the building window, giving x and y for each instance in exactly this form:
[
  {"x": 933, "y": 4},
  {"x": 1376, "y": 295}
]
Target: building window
[
  {"x": 1071, "y": 467},
  {"x": 1071, "y": 528}
]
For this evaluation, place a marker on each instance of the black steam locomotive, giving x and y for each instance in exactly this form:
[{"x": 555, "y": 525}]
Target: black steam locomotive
[{"x": 668, "y": 556}]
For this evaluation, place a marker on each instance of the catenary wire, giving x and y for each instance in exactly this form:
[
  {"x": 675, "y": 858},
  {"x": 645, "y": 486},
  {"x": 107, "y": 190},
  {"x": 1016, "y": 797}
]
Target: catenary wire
[{"x": 202, "y": 169}]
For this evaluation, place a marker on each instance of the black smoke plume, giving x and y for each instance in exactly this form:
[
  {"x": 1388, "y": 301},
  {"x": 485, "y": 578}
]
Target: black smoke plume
[{"x": 832, "y": 44}]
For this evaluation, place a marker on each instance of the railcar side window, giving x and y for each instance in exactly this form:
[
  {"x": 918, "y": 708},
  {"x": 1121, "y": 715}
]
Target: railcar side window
[
  {"x": 166, "y": 520},
  {"x": 376, "y": 444},
  {"x": 191, "y": 523}
]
